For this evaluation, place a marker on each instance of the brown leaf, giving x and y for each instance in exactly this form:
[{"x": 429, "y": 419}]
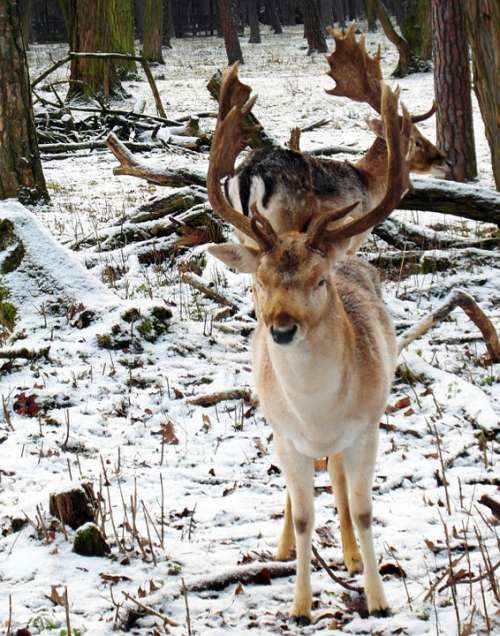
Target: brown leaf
[
  {"x": 409, "y": 412},
  {"x": 239, "y": 589},
  {"x": 400, "y": 404},
  {"x": 153, "y": 587},
  {"x": 23, "y": 631},
  {"x": 263, "y": 577},
  {"x": 206, "y": 423},
  {"x": 273, "y": 470},
  {"x": 56, "y": 597},
  {"x": 168, "y": 433},
  {"x": 114, "y": 578},
  {"x": 230, "y": 490},
  {"x": 393, "y": 569},
  {"x": 26, "y": 405},
  {"x": 178, "y": 393}
]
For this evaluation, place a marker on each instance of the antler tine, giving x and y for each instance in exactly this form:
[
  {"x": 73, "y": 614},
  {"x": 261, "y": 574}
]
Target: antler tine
[
  {"x": 398, "y": 180},
  {"x": 228, "y": 141},
  {"x": 317, "y": 228},
  {"x": 417, "y": 118},
  {"x": 264, "y": 232}
]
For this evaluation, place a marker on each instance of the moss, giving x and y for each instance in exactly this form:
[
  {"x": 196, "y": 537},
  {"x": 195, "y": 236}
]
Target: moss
[
  {"x": 8, "y": 312},
  {"x": 146, "y": 329},
  {"x": 89, "y": 541},
  {"x": 6, "y": 234},
  {"x": 163, "y": 314},
  {"x": 13, "y": 260},
  {"x": 104, "y": 341}
]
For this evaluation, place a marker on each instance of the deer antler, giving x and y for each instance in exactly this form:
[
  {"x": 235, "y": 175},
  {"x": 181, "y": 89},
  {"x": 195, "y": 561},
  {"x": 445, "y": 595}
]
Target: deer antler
[
  {"x": 356, "y": 74},
  {"x": 397, "y": 180},
  {"x": 415, "y": 119},
  {"x": 229, "y": 139}
]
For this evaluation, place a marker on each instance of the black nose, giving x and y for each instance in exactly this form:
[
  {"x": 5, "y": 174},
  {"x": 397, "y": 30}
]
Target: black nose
[{"x": 283, "y": 335}]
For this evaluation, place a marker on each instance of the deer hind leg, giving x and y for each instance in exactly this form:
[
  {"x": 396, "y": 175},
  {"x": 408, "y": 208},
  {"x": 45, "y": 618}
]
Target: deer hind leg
[
  {"x": 359, "y": 463},
  {"x": 298, "y": 471},
  {"x": 286, "y": 543},
  {"x": 350, "y": 550}
]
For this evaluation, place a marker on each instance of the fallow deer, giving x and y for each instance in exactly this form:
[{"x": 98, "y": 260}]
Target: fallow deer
[
  {"x": 278, "y": 181},
  {"x": 324, "y": 350}
]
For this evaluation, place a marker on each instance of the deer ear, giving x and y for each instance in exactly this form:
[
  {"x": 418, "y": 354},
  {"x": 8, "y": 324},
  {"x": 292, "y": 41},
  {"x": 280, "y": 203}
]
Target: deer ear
[
  {"x": 239, "y": 257},
  {"x": 377, "y": 127}
]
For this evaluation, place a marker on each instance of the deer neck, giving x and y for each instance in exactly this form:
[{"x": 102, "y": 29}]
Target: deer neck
[{"x": 373, "y": 168}]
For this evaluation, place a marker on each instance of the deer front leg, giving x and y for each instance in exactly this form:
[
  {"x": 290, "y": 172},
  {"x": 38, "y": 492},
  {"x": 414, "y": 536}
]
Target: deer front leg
[
  {"x": 287, "y": 539},
  {"x": 352, "y": 557},
  {"x": 298, "y": 471},
  {"x": 359, "y": 463}
]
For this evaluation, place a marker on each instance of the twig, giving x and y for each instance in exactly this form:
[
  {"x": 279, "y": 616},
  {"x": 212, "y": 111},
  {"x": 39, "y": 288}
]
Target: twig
[
  {"x": 246, "y": 574},
  {"x": 211, "y": 399},
  {"x": 457, "y": 298},
  {"x": 324, "y": 565},
  {"x": 434, "y": 585},
  {"x": 153, "y": 555},
  {"x": 9, "y": 622},
  {"x": 188, "y": 615},
  {"x": 6, "y": 414},
  {"x": 492, "y": 504},
  {"x": 66, "y": 607},
  {"x": 149, "y": 610}
]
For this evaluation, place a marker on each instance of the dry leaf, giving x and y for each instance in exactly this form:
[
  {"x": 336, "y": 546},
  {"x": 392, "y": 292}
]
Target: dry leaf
[
  {"x": 230, "y": 490},
  {"x": 400, "y": 404},
  {"x": 392, "y": 568},
  {"x": 168, "y": 433},
  {"x": 26, "y": 405},
  {"x": 239, "y": 589},
  {"x": 263, "y": 577},
  {"x": 56, "y": 597},
  {"x": 114, "y": 578}
]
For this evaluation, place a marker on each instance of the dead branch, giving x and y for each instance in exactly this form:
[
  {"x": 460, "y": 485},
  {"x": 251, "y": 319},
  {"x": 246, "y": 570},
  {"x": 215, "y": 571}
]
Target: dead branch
[
  {"x": 160, "y": 175},
  {"x": 418, "y": 262},
  {"x": 152, "y": 612},
  {"x": 211, "y": 399},
  {"x": 198, "y": 284},
  {"x": 337, "y": 579},
  {"x": 457, "y": 298},
  {"x": 95, "y": 145},
  {"x": 492, "y": 504},
  {"x": 247, "y": 574},
  {"x": 111, "y": 56},
  {"x": 26, "y": 354},
  {"x": 327, "y": 151}
]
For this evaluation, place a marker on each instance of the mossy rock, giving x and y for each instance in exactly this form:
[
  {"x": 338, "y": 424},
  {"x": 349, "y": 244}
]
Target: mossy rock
[
  {"x": 13, "y": 259},
  {"x": 89, "y": 541}
]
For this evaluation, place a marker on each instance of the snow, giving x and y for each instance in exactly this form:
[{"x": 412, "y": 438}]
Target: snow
[{"x": 222, "y": 494}]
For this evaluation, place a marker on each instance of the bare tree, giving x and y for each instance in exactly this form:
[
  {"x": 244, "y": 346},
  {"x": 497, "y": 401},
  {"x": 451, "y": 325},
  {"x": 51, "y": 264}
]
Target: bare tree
[
  {"x": 455, "y": 134},
  {"x": 483, "y": 27},
  {"x": 272, "y": 12},
  {"x": 21, "y": 172},
  {"x": 253, "y": 19},
  {"x": 312, "y": 27},
  {"x": 153, "y": 27},
  {"x": 228, "y": 25}
]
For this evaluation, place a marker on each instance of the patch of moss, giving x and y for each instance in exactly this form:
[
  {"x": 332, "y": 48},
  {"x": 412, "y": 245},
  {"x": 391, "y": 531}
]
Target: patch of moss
[
  {"x": 146, "y": 329},
  {"x": 13, "y": 260},
  {"x": 8, "y": 312},
  {"x": 6, "y": 234},
  {"x": 131, "y": 315},
  {"x": 89, "y": 541},
  {"x": 161, "y": 313}
]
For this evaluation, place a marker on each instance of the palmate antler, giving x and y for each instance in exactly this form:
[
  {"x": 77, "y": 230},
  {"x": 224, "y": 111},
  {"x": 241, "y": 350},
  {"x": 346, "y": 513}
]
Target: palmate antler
[{"x": 358, "y": 75}]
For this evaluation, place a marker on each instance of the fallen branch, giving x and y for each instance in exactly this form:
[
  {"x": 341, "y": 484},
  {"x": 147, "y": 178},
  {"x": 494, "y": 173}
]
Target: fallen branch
[
  {"x": 26, "y": 354},
  {"x": 94, "y": 145},
  {"x": 198, "y": 284},
  {"x": 416, "y": 261},
  {"x": 492, "y": 504},
  {"x": 326, "y": 151},
  {"x": 247, "y": 574},
  {"x": 110, "y": 56},
  {"x": 159, "y": 175},
  {"x": 212, "y": 399},
  {"x": 457, "y": 298},
  {"x": 152, "y": 612}
]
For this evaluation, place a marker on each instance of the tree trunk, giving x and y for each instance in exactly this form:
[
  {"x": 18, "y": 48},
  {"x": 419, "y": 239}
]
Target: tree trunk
[
  {"x": 105, "y": 26},
  {"x": 312, "y": 27},
  {"x": 21, "y": 173},
  {"x": 253, "y": 19},
  {"x": 272, "y": 11},
  {"x": 483, "y": 26},
  {"x": 153, "y": 26},
  {"x": 340, "y": 12},
  {"x": 287, "y": 8},
  {"x": 371, "y": 14},
  {"x": 168, "y": 23},
  {"x": 326, "y": 10},
  {"x": 25, "y": 10},
  {"x": 227, "y": 22},
  {"x": 455, "y": 134},
  {"x": 415, "y": 26}
]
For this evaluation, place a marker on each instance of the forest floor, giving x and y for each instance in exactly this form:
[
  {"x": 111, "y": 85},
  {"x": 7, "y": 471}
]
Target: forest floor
[{"x": 204, "y": 482}]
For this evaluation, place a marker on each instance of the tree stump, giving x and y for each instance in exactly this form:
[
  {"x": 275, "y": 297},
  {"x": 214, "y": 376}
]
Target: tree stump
[{"x": 73, "y": 507}]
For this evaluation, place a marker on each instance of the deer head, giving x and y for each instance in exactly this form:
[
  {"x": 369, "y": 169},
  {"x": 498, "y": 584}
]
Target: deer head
[
  {"x": 293, "y": 285},
  {"x": 358, "y": 76}
]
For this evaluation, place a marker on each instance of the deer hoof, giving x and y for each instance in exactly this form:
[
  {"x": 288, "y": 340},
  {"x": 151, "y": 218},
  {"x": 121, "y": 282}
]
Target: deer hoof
[
  {"x": 383, "y": 612},
  {"x": 300, "y": 621}
]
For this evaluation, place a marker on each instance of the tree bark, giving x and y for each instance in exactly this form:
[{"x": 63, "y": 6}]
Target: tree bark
[
  {"x": 483, "y": 27},
  {"x": 326, "y": 10},
  {"x": 455, "y": 134},
  {"x": 287, "y": 8},
  {"x": 415, "y": 24},
  {"x": 371, "y": 14},
  {"x": 272, "y": 11},
  {"x": 403, "y": 67},
  {"x": 25, "y": 10},
  {"x": 253, "y": 19},
  {"x": 228, "y": 25},
  {"x": 105, "y": 26},
  {"x": 312, "y": 27},
  {"x": 168, "y": 23},
  {"x": 153, "y": 26},
  {"x": 21, "y": 174}
]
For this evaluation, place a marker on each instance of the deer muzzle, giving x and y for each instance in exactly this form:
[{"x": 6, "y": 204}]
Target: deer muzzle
[{"x": 283, "y": 328}]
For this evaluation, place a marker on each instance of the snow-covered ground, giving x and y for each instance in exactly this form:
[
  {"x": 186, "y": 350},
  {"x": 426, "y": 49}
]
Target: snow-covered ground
[{"x": 101, "y": 415}]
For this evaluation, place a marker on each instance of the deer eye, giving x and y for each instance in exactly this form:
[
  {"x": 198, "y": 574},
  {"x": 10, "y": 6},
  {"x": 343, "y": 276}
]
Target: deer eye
[{"x": 321, "y": 282}]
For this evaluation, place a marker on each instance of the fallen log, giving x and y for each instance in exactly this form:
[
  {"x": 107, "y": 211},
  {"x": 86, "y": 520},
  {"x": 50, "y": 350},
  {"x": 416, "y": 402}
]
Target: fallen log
[
  {"x": 211, "y": 399},
  {"x": 160, "y": 175},
  {"x": 457, "y": 298},
  {"x": 198, "y": 284}
]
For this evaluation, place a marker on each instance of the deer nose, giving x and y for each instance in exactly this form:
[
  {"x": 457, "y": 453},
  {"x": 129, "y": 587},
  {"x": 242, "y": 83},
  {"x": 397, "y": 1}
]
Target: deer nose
[{"x": 283, "y": 334}]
